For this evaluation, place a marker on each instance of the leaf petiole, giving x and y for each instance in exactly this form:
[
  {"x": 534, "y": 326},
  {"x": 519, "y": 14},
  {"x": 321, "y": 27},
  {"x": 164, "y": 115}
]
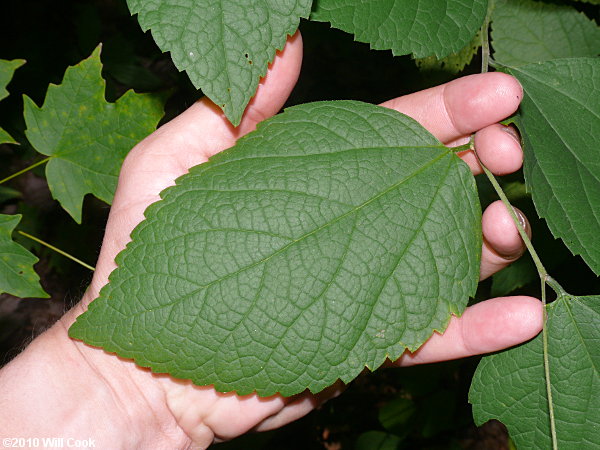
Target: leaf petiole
[
  {"x": 26, "y": 169},
  {"x": 485, "y": 39},
  {"x": 57, "y": 250},
  {"x": 462, "y": 148},
  {"x": 557, "y": 288}
]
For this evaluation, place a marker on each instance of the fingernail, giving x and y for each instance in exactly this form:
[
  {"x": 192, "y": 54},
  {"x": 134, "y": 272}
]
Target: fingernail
[
  {"x": 512, "y": 132},
  {"x": 523, "y": 221}
]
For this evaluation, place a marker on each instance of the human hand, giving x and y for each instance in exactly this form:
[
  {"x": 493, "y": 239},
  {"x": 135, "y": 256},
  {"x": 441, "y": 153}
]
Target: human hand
[{"x": 187, "y": 413}]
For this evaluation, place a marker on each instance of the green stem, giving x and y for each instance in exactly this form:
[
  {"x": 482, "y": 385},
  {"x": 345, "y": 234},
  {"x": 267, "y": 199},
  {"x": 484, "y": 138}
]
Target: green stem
[
  {"x": 545, "y": 279},
  {"x": 485, "y": 39},
  {"x": 557, "y": 288},
  {"x": 57, "y": 250},
  {"x": 536, "y": 259},
  {"x": 26, "y": 169},
  {"x": 545, "y": 346},
  {"x": 462, "y": 148}
]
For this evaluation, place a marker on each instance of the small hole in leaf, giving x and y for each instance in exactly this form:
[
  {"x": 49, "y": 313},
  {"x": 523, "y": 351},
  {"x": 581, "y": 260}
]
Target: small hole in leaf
[{"x": 250, "y": 62}]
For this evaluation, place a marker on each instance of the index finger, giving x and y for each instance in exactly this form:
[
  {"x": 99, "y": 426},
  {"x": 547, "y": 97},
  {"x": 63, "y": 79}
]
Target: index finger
[{"x": 461, "y": 107}]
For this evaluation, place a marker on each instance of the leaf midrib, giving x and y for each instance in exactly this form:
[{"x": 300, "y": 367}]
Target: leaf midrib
[{"x": 304, "y": 236}]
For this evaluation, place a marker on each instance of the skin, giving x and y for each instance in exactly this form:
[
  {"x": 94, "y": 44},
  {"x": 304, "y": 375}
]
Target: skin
[{"x": 61, "y": 387}]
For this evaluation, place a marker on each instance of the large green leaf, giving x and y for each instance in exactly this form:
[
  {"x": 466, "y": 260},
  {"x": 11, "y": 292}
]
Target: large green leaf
[
  {"x": 86, "y": 137},
  {"x": 526, "y": 31},
  {"x": 335, "y": 236},
  {"x": 560, "y": 123},
  {"x": 17, "y": 276},
  {"x": 510, "y": 386},
  {"x": 224, "y": 46},
  {"x": 420, "y": 27},
  {"x": 7, "y": 68}
]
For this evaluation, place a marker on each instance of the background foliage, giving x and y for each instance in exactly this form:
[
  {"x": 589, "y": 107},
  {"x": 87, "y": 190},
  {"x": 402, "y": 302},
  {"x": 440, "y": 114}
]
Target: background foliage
[{"x": 421, "y": 407}]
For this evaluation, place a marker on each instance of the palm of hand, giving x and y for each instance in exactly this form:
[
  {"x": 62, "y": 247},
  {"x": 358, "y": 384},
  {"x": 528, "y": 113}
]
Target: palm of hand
[{"x": 451, "y": 112}]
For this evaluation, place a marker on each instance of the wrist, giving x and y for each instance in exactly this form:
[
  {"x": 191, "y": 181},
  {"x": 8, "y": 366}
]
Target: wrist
[{"x": 59, "y": 387}]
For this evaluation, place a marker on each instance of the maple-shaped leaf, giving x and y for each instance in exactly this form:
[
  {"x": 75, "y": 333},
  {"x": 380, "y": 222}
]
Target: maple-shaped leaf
[
  {"x": 7, "y": 68},
  {"x": 335, "y": 236},
  {"x": 225, "y": 46},
  {"x": 510, "y": 386},
  {"x": 85, "y": 137},
  {"x": 17, "y": 276}
]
